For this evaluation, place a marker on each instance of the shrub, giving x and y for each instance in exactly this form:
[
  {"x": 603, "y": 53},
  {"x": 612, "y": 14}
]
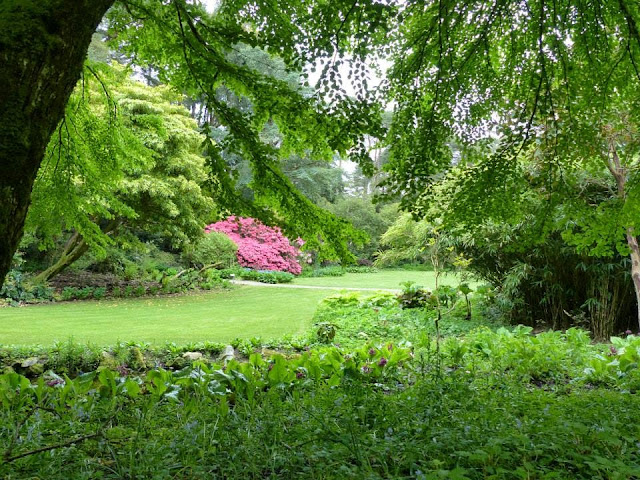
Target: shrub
[
  {"x": 362, "y": 269},
  {"x": 215, "y": 249},
  {"x": 266, "y": 276},
  {"x": 85, "y": 292},
  {"x": 131, "y": 271},
  {"x": 333, "y": 271},
  {"x": 259, "y": 246}
]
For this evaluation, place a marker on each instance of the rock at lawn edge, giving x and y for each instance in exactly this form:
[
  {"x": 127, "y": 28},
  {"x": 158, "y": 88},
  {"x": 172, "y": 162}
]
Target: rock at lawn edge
[
  {"x": 192, "y": 356},
  {"x": 228, "y": 354},
  {"x": 32, "y": 366}
]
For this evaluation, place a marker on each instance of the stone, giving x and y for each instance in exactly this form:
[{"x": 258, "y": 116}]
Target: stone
[
  {"x": 32, "y": 366},
  {"x": 192, "y": 356},
  {"x": 29, "y": 362},
  {"x": 228, "y": 354}
]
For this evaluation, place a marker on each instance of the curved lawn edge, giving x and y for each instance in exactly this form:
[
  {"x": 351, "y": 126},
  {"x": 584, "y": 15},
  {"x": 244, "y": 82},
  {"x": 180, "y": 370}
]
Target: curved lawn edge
[{"x": 219, "y": 316}]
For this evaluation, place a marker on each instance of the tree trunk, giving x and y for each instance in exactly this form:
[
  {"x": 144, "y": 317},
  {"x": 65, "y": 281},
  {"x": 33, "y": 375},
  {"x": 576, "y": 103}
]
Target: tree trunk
[
  {"x": 43, "y": 44},
  {"x": 632, "y": 241},
  {"x": 620, "y": 172},
  {"x": 73, "y": 250}
]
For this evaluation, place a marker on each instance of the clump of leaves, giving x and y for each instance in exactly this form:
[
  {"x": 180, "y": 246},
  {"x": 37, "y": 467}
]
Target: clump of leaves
[{"x": 414, "y": 296}]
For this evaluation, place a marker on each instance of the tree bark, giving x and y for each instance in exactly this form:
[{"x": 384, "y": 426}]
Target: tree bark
[
  {"x": 74, "y": 249},
  {"x": 620, "y": 172},
  {"x": 43, "y": 44},
  {"x": 632, "y": 241}
]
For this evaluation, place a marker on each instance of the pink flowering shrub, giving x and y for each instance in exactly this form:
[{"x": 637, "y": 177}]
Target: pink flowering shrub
[{"x": 259, "y": 246}]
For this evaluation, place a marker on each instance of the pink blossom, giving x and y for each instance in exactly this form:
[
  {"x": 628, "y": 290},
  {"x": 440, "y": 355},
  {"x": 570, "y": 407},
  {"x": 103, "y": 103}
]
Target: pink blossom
[{"x": 259, "y": 246}]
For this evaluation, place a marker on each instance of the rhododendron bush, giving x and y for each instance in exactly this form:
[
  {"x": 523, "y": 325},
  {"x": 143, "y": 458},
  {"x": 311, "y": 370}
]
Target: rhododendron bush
[{"x": 259, "y": 246}]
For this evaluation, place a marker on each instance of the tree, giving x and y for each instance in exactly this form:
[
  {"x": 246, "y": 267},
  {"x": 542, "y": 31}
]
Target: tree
[
  {"x": 463, "y": 68},
  {"x": 142, "y": 169},
  {"x": 460, "y": 69},
  {"x": 540, "y": 78},
  {"x": 364, "y": 215},
  {"x": 555, "y": 249},
  {"x": 42, "y": 48}
]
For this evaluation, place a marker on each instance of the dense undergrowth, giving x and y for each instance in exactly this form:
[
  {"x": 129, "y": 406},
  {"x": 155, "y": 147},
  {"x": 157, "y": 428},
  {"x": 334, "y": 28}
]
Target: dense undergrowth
[
  {"x": 473, "y": 403},
  {"x": 492, "y": 405},
  {"x": 355, "y": 318}
]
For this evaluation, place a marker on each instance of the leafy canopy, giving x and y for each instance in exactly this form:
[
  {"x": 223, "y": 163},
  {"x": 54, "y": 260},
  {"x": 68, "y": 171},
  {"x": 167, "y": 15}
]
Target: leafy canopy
[{"x": 141, "y": 167}]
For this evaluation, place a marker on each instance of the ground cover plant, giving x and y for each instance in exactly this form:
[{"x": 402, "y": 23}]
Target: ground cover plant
[
  {"x": 348, "y": 319},
  {"x": 377, "y": 411}
]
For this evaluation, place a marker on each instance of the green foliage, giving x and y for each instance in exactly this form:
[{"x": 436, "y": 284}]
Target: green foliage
[
  {"x": 405, "y": 241},
  {"x": 336, "y": 271},
  {"x": 141, "y": 168},
  {"x": 384, "y": 317},
  {"x": 535, "y": 87},
  {"x": 332, "y": 271},
  {"x": 266, "y": 276},
  {"x": 215, "y": 249},
  {"x": 317, "y": 180},
  {"x": 364, "y": 215},
  {"x": 18, "y": 289},
  {"x": 415, "y": 296},
  {"x": 242, "y": 90},
  {"x": 361, "y": 269},
  {"x": 498, "y": 393},
  {"x": 325, "y": 332}
]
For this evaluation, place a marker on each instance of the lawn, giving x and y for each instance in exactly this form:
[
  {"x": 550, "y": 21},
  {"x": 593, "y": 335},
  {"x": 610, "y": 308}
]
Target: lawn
[
  {"x": 218, "y": 316},
  {"x": 382, "y": 279}
]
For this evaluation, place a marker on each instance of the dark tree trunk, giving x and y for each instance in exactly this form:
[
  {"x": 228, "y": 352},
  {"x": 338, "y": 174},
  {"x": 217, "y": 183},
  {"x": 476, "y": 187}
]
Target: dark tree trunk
[{"x": 43, "y": 44}]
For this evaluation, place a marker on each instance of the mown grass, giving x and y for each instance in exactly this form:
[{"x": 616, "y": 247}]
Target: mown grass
[
  {"x": 382, "y": 279},
  {"x": 218, "y": 316}
]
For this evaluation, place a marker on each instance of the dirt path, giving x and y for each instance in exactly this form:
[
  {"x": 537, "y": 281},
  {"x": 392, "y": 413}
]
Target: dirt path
[{"x": 312, "y": 287}]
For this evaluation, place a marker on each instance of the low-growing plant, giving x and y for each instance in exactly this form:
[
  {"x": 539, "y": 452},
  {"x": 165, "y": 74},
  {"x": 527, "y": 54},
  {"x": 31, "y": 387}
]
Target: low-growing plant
[
  {"x": 280, "y": 416},
  {"x": 265, "y": 276},
  {"x": 361, "y": 269},
  {"x": 99, "y": 293},
  {"x": 414, "y": 296},
  {"x": 325, "y": 332},
  {"x": 84, "y": 293},
  {"x": 331, "y": 271},
  {"x": 69, "y": 293},
  {"x": 131, "y": 272}
]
